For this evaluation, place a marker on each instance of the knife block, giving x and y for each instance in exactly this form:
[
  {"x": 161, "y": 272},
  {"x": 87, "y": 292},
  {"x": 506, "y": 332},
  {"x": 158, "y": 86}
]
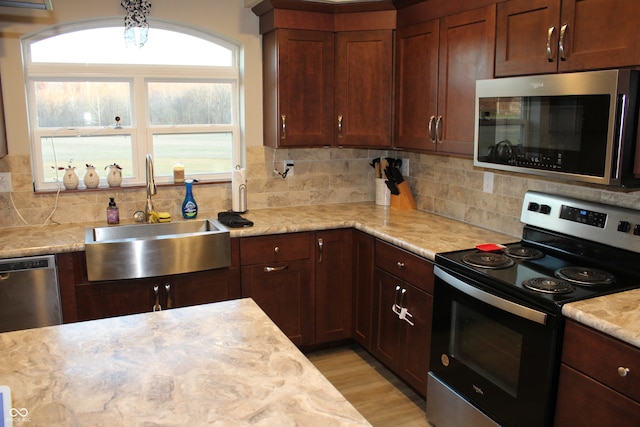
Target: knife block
[{"x": 403, "y": 201}]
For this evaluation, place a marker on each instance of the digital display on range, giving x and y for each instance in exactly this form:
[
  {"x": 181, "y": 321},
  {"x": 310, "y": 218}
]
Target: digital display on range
[{"x": 583, "y": 216}]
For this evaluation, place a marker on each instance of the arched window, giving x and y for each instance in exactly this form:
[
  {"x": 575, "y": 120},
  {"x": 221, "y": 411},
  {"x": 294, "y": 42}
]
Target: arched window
[{"x": 93, "y": 101}]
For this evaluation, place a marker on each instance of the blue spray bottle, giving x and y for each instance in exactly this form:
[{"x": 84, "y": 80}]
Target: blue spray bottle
[{"x": 189, "y": 206}]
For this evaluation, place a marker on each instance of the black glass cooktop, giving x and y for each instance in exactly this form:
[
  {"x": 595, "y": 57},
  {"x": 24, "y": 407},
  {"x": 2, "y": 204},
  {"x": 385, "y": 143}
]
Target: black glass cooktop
[{"x": 510, "y": 279}]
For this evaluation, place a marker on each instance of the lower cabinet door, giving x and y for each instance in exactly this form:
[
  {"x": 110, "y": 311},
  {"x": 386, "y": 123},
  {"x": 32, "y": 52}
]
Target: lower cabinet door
[
  {"x": 416, "y": 342},
  {"x": 386, "y": 329},
  {"x": 109, "y": 299},
  {"x": 284, "y": 291},
  {"x": 583, "y": 401}
]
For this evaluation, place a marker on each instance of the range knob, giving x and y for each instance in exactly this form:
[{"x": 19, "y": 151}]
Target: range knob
[
  {"x": 624, "y": 226},
  {"x": 545, "y": 209},
  {"x": 636, "y": 230},
  {"x": 533, "y": 207}
]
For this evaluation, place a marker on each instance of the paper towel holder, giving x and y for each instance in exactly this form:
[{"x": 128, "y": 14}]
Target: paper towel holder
[{"x": 239, "y": 193}]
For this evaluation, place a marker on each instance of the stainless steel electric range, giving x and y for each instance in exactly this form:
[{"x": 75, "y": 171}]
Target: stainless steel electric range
[{"x": 497, "y": 322}]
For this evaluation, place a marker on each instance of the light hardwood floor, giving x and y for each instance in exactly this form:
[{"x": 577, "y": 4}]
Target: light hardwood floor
[{"x": 377, "y": 394}]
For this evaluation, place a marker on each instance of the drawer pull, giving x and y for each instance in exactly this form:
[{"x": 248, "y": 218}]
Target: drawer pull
[
  {"x": 400, "y": 264},
  {"x": 273, "y": 269},
  {"x": 623, "y": 372},
  {"x": 320, "y": 248},
  {"x": 276, "y": 249},
  {"x": 156, "y": 305}
]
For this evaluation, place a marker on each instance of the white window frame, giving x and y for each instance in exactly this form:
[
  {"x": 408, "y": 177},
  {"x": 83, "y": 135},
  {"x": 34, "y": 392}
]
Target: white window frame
[{"x": 141, "y": 131}]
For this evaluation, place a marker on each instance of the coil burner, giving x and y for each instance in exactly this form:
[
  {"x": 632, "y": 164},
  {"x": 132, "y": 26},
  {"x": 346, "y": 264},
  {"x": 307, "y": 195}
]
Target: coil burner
[
  {"x": 549, "y": 285},
  {"x": 491, "y": 260},
  {"x": 585, "y": 276},
  {"x": 523, "y": 252}
]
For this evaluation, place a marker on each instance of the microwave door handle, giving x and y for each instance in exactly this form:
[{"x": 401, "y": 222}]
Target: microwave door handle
[
  {"x": 492, "y": 300},
  {"x": 622, "y": 104}
]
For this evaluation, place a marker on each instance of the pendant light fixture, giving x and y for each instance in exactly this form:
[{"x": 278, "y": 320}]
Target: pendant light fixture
[{"x": 136, "y": 27}]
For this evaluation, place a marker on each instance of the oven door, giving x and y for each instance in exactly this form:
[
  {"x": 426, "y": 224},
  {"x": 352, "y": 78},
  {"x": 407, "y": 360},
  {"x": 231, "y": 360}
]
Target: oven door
[{"x": 497, "y": 354}]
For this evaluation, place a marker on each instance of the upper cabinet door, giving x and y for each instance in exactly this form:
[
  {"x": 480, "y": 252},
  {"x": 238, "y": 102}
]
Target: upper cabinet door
[
  {"x": 527, "y": 37},
  {"x": 416, "y": 84},
  {"x": 467, "y": 51},
  {"x": 364, "y": 75},
  {"x": 298, "y": 88},
  {"x": 599, "y": 34},
  {"x": 547, "y": 36}
]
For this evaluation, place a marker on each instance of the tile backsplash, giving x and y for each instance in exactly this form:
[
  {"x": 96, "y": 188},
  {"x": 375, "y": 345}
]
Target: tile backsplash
[{"x": 447, "y": 186}]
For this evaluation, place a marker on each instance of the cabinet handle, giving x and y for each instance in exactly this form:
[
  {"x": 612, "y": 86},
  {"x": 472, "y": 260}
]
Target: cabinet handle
[
  {"x": 272, "y": 269},
  {"x": 400, "y": 264},
  {"x": 439, "y": 130},
  {"x": 396, "y": 303},
  {"x": 276, "y": 250},
  {"x": 549, "y": 50},
  {"x": 156, "y": 306},
  {"x": 167, "y": 288},
  {"x": 623, "y": 372},
  {"x": 432, "y": 130},
  {"x": 283, "y": 126},
  {"x": 339, "y": 125},
  {"x": 320, "y": 248},
  {"x": 563, "y": 30}
]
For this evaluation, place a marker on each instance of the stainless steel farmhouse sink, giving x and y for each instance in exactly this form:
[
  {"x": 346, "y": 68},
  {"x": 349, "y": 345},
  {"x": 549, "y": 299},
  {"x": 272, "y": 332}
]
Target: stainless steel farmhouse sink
[{"x": 147, "y": 250}]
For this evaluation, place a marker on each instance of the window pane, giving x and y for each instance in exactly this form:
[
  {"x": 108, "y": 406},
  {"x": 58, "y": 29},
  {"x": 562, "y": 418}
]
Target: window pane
[
  {"x": 77, "y": 104},
  {"x": 99, "y": 151},
  {"x": 106, "y": 46},
  {"x": 189, "y": 103},
  {"x": 200, "y": 153}
]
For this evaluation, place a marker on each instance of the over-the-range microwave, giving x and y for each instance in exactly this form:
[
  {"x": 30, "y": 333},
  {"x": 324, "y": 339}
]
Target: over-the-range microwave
[{"x": 575, "y": 126}]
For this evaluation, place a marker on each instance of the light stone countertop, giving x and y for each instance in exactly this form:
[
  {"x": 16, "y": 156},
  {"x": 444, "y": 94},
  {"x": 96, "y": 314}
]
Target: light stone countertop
[
  {"x": 617, "y": 315},
  {"x": 223, "y": 364},
  {"x": 420, "y": 232}
]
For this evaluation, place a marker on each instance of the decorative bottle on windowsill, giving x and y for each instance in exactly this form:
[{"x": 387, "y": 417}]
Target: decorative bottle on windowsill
[
  {"x": 70, "y": 179},
  {"x": 189, "y": 205},
  {"x": 91, "y": 178}
]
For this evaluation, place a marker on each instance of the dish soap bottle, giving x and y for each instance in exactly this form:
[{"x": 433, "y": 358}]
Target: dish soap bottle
[
  {"x": 113, "y": 215},
  {"x": 189, "y": 206}
]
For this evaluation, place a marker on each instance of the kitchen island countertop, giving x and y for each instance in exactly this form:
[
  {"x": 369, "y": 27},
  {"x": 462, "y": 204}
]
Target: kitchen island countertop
[{"x": 223, "y": 364}]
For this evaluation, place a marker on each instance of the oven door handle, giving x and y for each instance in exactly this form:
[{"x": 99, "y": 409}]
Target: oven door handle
[{"x": 493, "y": 300}]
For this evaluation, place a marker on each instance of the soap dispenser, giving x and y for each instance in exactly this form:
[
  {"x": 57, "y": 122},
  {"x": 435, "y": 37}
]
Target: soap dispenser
[
  {"x": 189, "y": 206},
  {"x": 113, "y": 215}
]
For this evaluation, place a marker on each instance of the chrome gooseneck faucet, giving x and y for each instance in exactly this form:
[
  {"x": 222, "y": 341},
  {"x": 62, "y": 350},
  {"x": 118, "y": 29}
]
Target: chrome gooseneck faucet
[{"x": 151, "y": 189}]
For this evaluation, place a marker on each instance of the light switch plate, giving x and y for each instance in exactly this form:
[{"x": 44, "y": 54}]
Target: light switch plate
[{"x": 5, "y": 182}]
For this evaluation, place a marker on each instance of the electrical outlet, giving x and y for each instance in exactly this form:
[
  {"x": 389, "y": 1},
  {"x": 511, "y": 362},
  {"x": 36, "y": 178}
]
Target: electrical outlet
[
  {"x": 288, "y": 164},
  {"x": 487, "y": 185},
  {"x": 5, "y": 182},
  {"x": 404, "y": 169}
]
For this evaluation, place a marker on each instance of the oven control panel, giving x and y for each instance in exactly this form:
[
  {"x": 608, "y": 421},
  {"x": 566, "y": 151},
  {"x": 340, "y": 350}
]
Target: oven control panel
[{"x": 608, "y": 224}]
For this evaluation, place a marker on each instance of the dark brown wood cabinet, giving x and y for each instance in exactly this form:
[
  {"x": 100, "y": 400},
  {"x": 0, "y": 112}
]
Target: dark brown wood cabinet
[
  {"x": 437, "y": 65},
  {"x": 403, "y": 306},
  {"x": 547, "y": 36},
  {"x": 85, "y": 300},
  {"x": 277, "y": 272},
  {"x": 364, "y": 82},
  {"x": 598, "y": 380},
  {"x": 303, "y": 282},
  {"x": 333, "y": 285},
  {"x": 298, "y": 68},
  {"x": 362, "y": 259}
]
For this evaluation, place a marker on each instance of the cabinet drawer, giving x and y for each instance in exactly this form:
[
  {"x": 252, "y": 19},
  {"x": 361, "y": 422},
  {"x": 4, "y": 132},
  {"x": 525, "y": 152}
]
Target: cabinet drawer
[
  {"x": 600, "y": 357},
  {"x": 405, "y": 265},
  {"x": 275, "y": 248}
]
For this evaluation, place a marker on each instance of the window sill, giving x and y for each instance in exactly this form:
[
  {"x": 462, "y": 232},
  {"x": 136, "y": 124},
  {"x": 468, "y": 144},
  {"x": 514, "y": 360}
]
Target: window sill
[{"x": 126, "y": 187}]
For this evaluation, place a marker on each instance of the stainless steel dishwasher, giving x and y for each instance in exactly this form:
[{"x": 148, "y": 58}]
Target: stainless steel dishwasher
[{"x": 29, "y": 293}]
